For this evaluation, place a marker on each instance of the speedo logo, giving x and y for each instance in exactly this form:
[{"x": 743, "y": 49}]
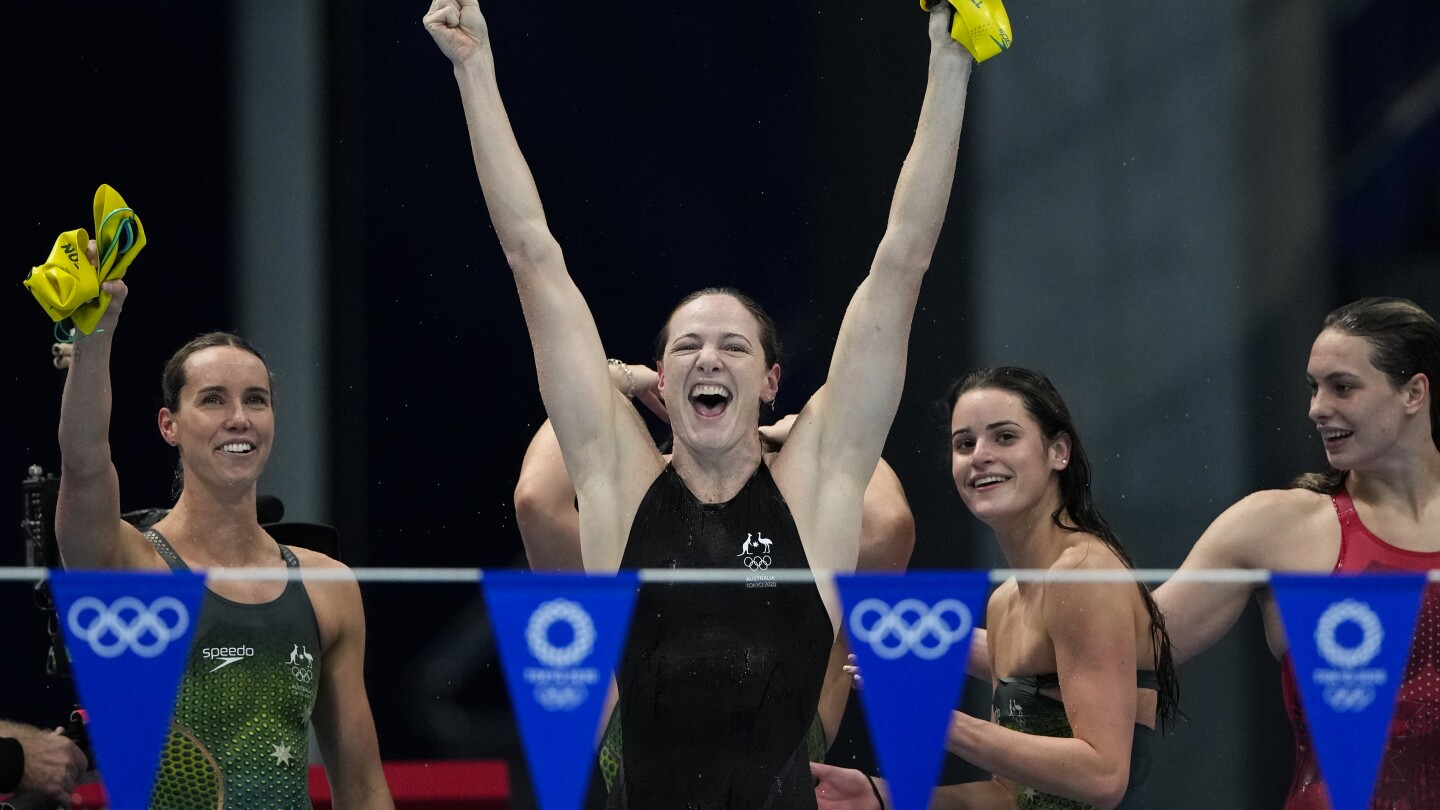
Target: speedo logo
[{"x": 226, "y": 655}]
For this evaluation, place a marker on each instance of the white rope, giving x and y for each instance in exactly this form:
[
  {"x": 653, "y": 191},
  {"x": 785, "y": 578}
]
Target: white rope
[{"x": 701, "y": 575}]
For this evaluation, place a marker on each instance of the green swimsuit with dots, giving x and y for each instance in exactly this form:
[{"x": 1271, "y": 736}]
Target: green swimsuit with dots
[{"x": 240, "y": 734}]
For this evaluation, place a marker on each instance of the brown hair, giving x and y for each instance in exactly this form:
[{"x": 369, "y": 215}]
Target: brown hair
[
  {"x": 1404, "y": 341},
  {"x": 172, "y": 380},
  {"x": 1044, "y": 404},
  {"x": 769, "y": 335}
]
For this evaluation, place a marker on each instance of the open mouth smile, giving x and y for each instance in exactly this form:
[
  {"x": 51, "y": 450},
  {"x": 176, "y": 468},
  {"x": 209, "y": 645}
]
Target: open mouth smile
[{"x": 709, "y": 399}]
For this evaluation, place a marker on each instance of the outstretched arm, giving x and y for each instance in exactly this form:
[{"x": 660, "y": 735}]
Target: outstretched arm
[
  {"x": 87, "y": 515},
  {"x": 850, "y": 416},
  {"x": 600, "y": 434},
  {"x": 1247, "y": 535}
]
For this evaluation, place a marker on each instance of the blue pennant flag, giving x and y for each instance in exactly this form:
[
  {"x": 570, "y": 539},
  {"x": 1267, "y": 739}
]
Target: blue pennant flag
[
  {"x": 128, "y": 634},
  {"x": 911, "y": 637},
  {"x": 559, "y": 637},
  {"x": 1349, "y": 639}
]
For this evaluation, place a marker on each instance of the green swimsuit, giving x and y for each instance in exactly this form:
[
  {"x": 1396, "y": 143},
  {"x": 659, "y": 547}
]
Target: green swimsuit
[
  {"x": 240, "y": 733},
  {"x": 1019, "y": 705}
]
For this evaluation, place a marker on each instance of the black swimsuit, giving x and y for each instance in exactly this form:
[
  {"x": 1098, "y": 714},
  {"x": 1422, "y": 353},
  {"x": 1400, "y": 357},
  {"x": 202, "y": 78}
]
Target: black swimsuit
[
  {"x": 1019, "y": 705},
  {"x": 719, "y": 683}
]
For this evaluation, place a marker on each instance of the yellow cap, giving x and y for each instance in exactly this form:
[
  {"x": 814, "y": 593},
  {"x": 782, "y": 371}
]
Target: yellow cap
[
  {"x": 67, "y": 285},
  {"x": 118, "y": 233},
  {"x": 67, "y": 279},
  {"x": 982, "y": 26}
]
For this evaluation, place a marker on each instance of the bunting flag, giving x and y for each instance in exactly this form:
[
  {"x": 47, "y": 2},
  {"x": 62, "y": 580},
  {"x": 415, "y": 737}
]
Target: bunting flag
[
  {"x": 559, "y": 637},
  {"x": 128, "y": 635},
  {"x": 1349, "y": 639},
  {"x": 911, "y": 639}
]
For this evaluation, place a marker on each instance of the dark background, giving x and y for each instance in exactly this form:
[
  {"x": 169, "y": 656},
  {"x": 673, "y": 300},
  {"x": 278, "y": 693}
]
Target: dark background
[{"x": 755, "y": 145}]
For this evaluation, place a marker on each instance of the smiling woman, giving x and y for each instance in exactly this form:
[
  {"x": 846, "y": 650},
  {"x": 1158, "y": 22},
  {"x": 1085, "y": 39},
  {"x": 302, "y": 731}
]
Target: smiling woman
[
  {"x": 1082, "y": 672},
  {"x": 229, "y": 720},
  {"x": 762, "y": 646},
  {"x": 1371, "y": 372},
  {"x": 219, "y": 357}
]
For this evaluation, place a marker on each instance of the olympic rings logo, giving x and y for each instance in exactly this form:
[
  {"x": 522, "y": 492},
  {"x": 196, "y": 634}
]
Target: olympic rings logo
[
  {"x": 1372, "y": 634},
  {"x": 128, "y": 624},
  {"x": 537, "y": 633},
  {"x": 1349, "y": 698},
  {"x": 560, "y": 698},
  {"x": 759, "y": 563},
  {"x": 303, "y": 675},
  {"x": 911, "y": 626}
]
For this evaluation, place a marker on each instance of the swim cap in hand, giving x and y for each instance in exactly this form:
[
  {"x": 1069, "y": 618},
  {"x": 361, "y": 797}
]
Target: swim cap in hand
[
  {"x": 982, "y": 26},
  {"x": 66, "y": 279},
  {"x": 67, "y": 285}
]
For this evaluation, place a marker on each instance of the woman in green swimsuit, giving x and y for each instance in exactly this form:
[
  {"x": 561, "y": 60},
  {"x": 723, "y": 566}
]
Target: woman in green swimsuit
[{"x": 1082, "y": 670}]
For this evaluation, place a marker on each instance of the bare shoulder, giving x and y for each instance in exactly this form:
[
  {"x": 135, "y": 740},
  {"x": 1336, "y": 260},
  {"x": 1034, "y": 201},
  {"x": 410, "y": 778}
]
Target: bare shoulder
[
  {"x": 1266, "y": 530},
  {"x": 312, "y": 559},
  {"x": 1088, "y": 553},
  {"x": 1001, "y": 598},
  {"x": 335, "y": 597}
]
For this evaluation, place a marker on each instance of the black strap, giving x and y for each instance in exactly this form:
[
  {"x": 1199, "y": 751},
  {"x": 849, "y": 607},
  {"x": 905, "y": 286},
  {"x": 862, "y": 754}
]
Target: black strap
[
  {"x": 172, "y": 558},
  {"x": 165, "y": 550},
  {"x": 12, "y": 764}
]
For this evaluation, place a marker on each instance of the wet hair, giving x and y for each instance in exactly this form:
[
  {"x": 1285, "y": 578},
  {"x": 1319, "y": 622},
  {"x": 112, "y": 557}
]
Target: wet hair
[
  {"x": 769, "y": 335},
  {"x": 1049, "y": 411},
  {"x": 172, "y": 379},
  {"x": 1404, "y": 341}
]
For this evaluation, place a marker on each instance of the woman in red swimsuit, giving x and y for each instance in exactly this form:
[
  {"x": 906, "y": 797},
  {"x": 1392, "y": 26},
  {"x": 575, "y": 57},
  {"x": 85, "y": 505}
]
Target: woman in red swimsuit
[{"x": 1370, "y": 373}]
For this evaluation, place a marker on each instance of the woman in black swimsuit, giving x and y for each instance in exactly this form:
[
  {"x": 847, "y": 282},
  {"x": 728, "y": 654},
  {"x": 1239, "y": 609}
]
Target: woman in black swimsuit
[{"x": 1082, "y": 670}]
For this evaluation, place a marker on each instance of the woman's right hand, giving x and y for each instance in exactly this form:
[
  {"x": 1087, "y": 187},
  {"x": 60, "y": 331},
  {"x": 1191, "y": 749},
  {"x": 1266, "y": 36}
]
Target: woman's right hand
[
  {"x": 118, "y": 291},
  {"x": 458, "y": 28},
  {"x": 780, "y": 431},
  {"x": 853, "y": 670},
  {"x": 647, "y": 390},
  {"x": 842, "y": 788}
]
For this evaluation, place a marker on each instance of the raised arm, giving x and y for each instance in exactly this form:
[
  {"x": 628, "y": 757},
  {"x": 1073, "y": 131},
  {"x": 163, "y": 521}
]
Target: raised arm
[
  {"x": 596, "y": 427},
  {"x": 87, "y": 515},
  {"x": 851, "y": 414},
  {"x": 544, "y": 495}
]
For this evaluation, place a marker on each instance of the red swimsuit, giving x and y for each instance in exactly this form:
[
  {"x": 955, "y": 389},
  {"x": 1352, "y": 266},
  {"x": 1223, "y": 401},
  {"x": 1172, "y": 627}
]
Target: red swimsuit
[{"x": 1410, "y": 772}]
